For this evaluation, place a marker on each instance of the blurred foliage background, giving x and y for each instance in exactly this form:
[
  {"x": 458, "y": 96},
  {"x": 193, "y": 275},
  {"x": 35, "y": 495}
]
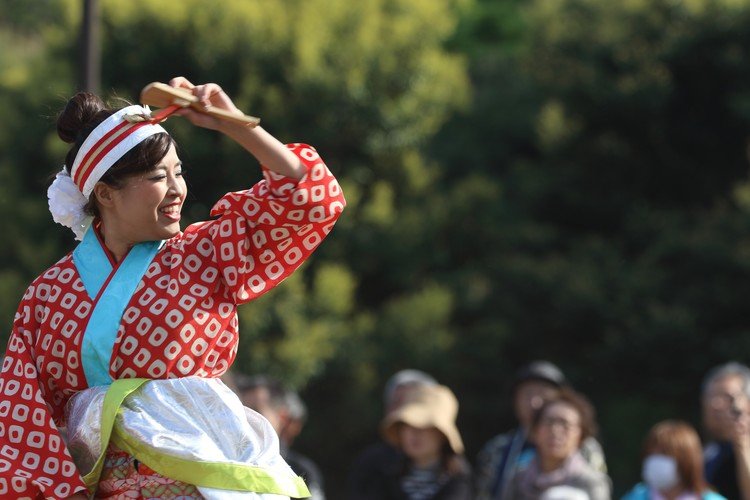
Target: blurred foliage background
[{"x": 559, "y": 179}]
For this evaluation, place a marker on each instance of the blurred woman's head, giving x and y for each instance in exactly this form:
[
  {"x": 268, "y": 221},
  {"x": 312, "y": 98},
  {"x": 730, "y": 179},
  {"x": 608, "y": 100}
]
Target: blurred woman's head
[
  {"x": 673, "y": 457},
  {"x": 534, "y": 384},
  {"x": 424, "y": 426},
  {"x": 561, "y": 425},
  {"x": 422, "y": 445}
]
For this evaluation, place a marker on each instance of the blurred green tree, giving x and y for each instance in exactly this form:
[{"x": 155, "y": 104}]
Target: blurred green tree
[{"x": 605, "y": 226}]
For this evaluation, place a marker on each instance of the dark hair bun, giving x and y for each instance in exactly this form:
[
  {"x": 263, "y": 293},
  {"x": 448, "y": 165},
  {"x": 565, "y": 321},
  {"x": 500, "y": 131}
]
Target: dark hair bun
[{"x": 82, "y": 112}]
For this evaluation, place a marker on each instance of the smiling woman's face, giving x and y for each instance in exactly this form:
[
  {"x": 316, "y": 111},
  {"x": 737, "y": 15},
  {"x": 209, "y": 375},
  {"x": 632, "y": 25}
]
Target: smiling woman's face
[{"x": 148, "y": 206}]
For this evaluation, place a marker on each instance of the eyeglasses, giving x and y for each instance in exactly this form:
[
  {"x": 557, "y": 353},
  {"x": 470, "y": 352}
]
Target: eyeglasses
[
  {"x": 725, "y": 400},
  {"x": 565, "y": 425}
]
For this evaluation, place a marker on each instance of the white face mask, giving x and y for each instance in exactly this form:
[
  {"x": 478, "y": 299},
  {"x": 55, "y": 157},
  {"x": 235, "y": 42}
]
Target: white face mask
[{"x": 660, "y": 472}]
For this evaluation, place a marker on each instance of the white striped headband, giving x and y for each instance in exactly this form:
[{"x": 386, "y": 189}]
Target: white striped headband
[{"x": 110, "y": 140}]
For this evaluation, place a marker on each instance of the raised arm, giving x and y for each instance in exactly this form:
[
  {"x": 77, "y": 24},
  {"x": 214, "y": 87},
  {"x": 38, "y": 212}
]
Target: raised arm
[{"x": 265, "y": 147}]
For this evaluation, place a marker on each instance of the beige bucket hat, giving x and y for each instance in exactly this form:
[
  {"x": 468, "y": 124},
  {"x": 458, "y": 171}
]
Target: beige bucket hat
[{"x": 426, "y": 406}]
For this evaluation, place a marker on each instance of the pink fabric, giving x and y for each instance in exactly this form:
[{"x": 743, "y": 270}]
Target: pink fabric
[{"x": 124, "y": 478}]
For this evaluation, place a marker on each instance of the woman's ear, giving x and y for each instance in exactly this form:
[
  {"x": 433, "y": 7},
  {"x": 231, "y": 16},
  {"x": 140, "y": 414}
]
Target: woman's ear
[{"x": 104, "y": 194}]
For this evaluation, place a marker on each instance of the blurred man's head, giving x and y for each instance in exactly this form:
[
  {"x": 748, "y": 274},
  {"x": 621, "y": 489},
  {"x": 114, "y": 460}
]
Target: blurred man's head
[
  {"x": 267, "y": 396},
  {"x": 400, "y": 383},
  {"x": 296, "y": 417},
  {"x": 535, "y": 383},
  {"x": 725, "y": 397}
]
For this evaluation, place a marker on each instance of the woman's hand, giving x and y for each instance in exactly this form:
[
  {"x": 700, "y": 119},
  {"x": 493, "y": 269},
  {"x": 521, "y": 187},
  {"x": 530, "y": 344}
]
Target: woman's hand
[
  {"x": 210, "y": 95},
  {"x": 266, "y": 148}
]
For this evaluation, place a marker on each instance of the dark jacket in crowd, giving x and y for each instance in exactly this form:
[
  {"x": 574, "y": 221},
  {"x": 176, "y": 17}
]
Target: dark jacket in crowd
[
  {"x": 377, "y": 473},
  {"x": 305, "y": 468},
  {"x": 721, "y": 469}
]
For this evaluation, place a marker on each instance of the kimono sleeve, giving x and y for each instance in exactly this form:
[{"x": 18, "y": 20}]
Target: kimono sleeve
[
  {"x": 264, "y": 233},
  {"x": 34, "y": 459}
]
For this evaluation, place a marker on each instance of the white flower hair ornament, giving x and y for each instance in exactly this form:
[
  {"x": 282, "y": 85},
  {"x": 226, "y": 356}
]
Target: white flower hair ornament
[
  {"x": 66, "y": 203},
  {"x": 107, "y": 143}
]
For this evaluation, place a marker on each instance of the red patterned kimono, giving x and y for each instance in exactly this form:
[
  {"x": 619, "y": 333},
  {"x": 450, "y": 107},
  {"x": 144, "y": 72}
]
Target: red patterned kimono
[{"x": 181, "y": 320}]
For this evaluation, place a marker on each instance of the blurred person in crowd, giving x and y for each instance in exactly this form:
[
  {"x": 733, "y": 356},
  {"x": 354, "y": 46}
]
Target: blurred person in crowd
[
  {"x": 558, "y": 429},
  {"x": 507, "y": 453},
  {"x": 229, "y": 380},
  {"x": 432, "y": 465},
  {"x": 725, "y": 405},
  {"x": 269, "y": 397},
  {"x": 296, "y": 413},
  {"x": 371, "y": 466},
  {"x": 672, "y": 465}
]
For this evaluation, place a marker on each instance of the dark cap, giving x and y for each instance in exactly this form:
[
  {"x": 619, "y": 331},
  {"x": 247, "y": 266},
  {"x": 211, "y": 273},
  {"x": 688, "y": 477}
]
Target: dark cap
[{"x": 542, "y": 371}]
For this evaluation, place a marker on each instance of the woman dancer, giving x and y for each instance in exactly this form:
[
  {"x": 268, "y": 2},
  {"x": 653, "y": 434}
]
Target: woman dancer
[{"x": 120, "y": 345}]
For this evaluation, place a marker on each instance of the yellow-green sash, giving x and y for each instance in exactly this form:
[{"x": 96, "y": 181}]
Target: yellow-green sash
[{"x": 227, "y": 476}]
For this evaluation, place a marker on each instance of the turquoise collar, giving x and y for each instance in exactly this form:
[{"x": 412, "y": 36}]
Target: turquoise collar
[{"x": 111, "y": 288}]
